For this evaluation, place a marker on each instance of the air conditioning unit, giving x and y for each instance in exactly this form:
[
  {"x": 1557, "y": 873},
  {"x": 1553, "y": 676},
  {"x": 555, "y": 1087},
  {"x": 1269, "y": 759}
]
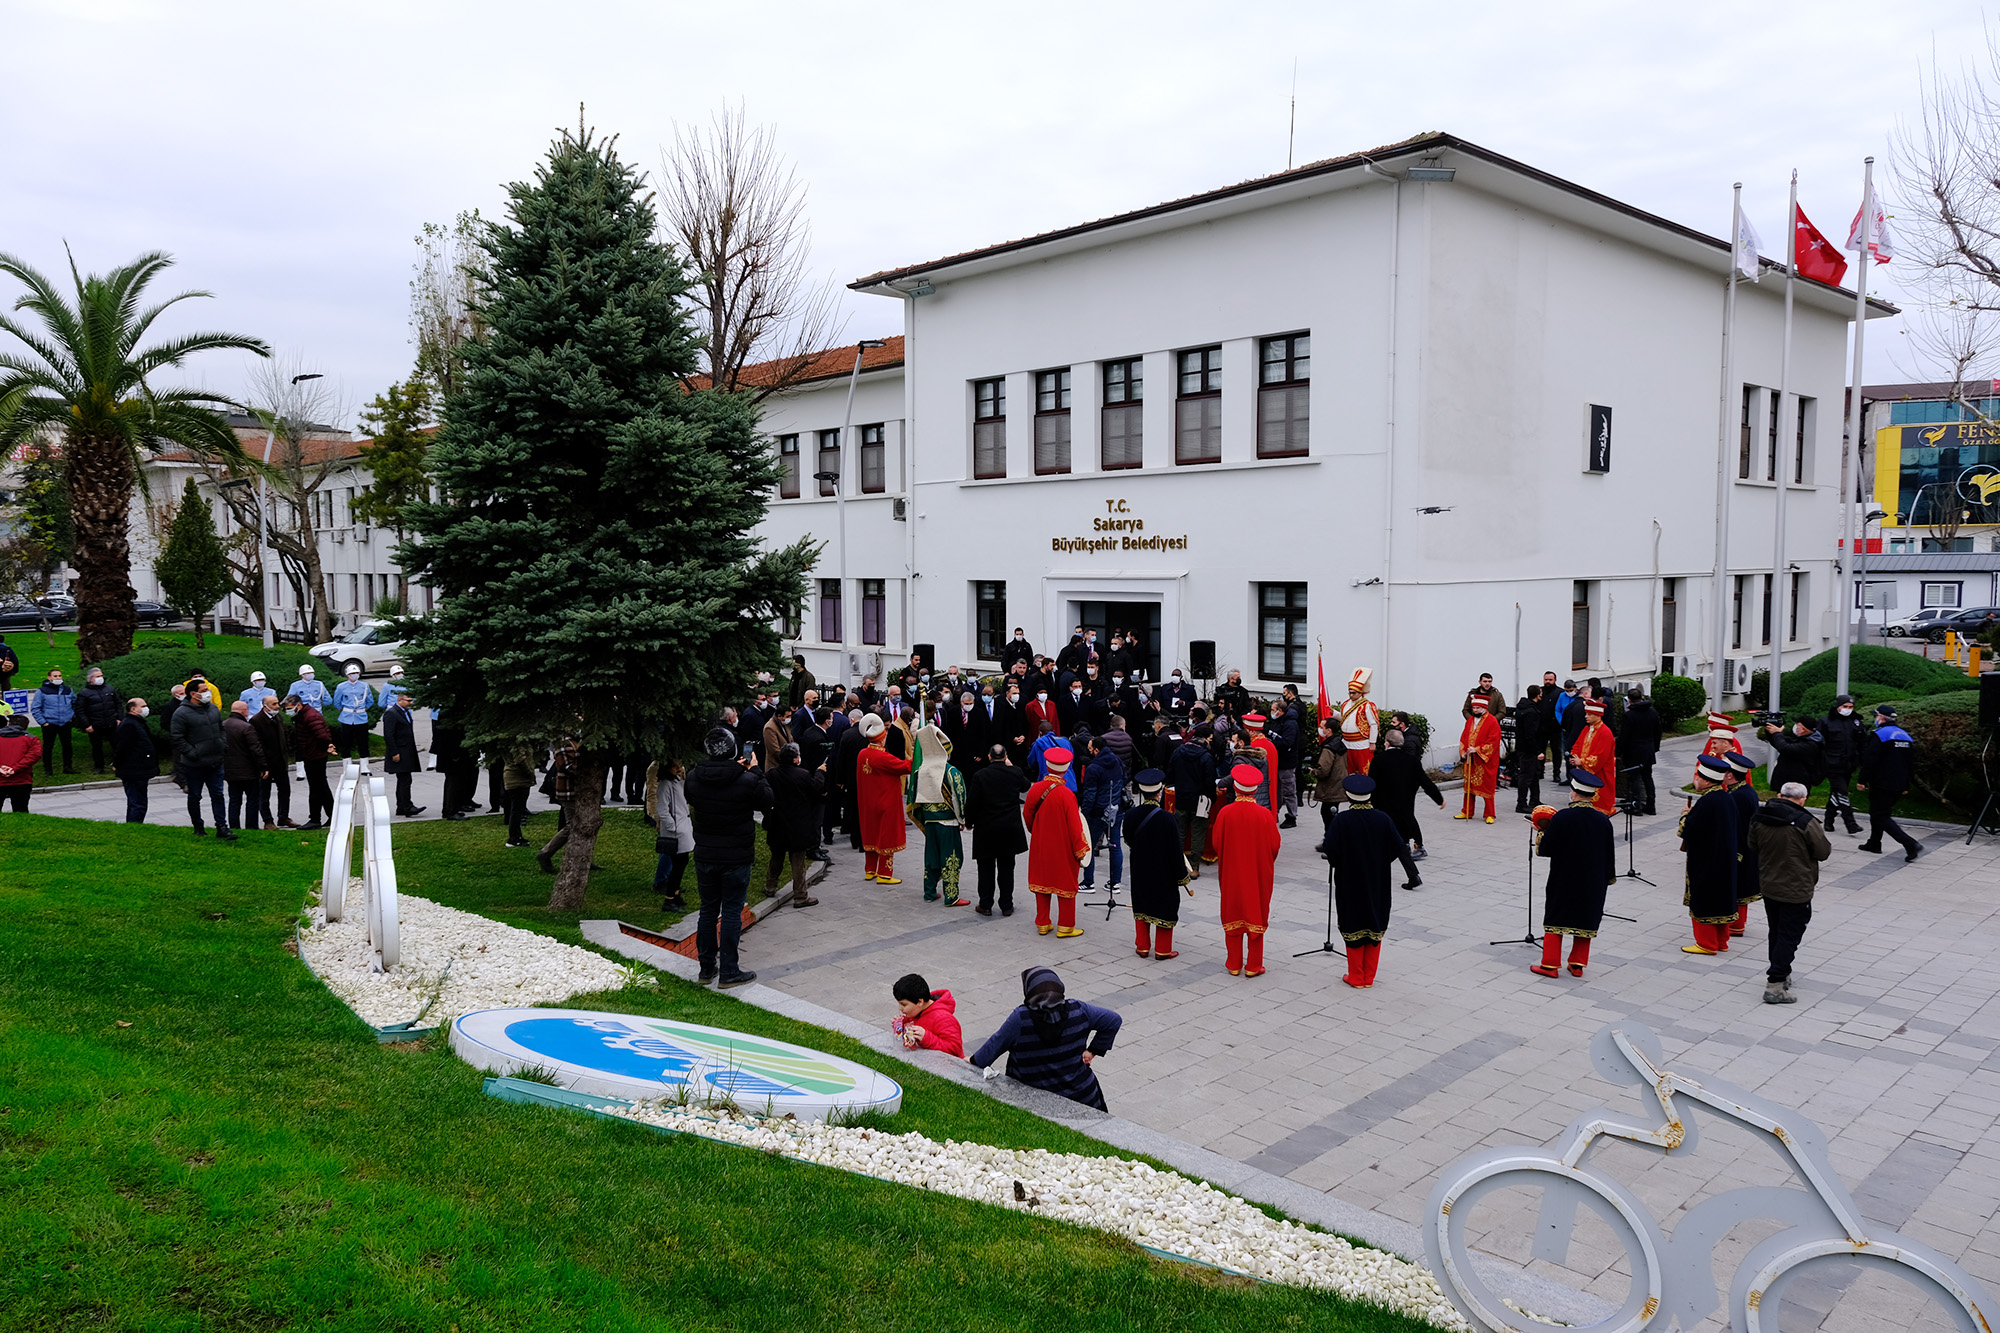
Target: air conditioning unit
[
  {"x": 361, "y": 534},
  {"x": 899, "y": 510},
  {"x": 340, "y": 537},
  {"x": 1677, "y": 664},
  {"x": 1735, "y": 675}
]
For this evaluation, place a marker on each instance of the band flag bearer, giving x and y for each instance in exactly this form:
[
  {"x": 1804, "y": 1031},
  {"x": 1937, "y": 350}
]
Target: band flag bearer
[
  {"x": 1058, "y": 845},
  {"x": 1159, "y": 870},
  {"x": 1245, "y": 838},
  {"x": 1583, "y": 862}
]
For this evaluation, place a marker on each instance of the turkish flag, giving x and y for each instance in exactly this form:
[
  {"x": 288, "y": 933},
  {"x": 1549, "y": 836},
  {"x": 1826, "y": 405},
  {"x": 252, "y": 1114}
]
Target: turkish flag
[{"x": 1818, "y": 258}]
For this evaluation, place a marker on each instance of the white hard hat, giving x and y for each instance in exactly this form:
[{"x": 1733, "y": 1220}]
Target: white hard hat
[
  {"x": 256, "y": 678},
  {"x": 353, "y": 670},
  {"x": 306, "y": 670},
  {"x": 395, "y": 671}
]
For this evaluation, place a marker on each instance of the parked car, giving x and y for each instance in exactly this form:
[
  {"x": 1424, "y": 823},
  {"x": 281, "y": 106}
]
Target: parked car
[
  {"x": 1969, "y": 621},
  {"x": 61, "y": 601},
  {"x": 370, "y": 647},
  {"x": 157, "y": 615},
  {"x": 20, "y": 613},
  {"x": 1915, "y": 626}
]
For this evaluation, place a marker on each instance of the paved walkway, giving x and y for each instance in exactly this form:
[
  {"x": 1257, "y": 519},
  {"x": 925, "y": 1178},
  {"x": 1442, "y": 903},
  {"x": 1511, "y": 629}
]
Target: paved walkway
[{"x": 1894, "y": 1048}]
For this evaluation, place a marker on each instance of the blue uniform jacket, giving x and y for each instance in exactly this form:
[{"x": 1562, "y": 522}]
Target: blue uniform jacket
[
  {"x": 312, "y": 694},
  {"x": 353, "y": 699}
]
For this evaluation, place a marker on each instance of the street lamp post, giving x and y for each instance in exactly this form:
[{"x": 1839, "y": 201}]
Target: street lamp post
[
  {"x": 840, "y": 494},
  {"x": 264, "y": 561}
]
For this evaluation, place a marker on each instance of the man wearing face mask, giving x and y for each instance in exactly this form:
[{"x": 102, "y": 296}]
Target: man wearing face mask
[
  {"x": 352, "y": 698},
  {"x": 1177, "y": 696},
  {"x": 269, "y": 723},
  {"x": 53, "y": 708},
  {"x": 312, "y": 742},
  {"x": 311, "y": 693},
  {"x": 1010, "y": 725},
  {"x": 1070, "y": 707},
  {"x": 97, "y": 710},
  {"x": 134, "y": 759},
  {"x": 1041, "y": 709},
  {"x": 1017, "y": 649},
  {"x": 199, "y": 749},
  {"x": 1840, "y": 735}
]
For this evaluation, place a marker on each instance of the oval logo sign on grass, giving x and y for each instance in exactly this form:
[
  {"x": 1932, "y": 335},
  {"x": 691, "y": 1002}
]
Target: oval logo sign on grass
[{"x": 637, "y": 1057}]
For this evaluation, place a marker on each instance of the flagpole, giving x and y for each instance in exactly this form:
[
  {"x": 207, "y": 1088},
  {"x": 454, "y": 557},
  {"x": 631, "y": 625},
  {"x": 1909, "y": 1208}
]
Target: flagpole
[
  {"x": 1781, "y": 466},
  {"x": 1725, "y": 469},
  {"x": 1850, "y": 443}
]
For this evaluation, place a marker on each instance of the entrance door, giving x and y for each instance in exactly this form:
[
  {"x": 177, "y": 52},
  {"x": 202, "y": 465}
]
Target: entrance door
[{"x": 1139, "y": 619}]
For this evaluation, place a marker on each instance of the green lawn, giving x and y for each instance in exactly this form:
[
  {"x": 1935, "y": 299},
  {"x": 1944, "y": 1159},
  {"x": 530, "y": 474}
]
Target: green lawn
[{"x": 195, "y": 1135}]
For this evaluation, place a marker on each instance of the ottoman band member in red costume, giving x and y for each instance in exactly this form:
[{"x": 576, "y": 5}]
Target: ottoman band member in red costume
[
  {"x": 1479, "y": 757},
  {"x": 878, "y": 786},
  {"x": 1158, "y": 870},
  {"x": 1358, "y": 719},
  {"x": 1253, "y": 724},
  {"x": 1583, "y": 862},
  {"x": 1245, "y": 839},
  {"x": 1057, "y": 845},
  {"x": 1362, "y": 843},
  {"x": 1708, "y": 836},
  {"x": 1595, "y": 753},
  {"x": 1749, "y": 884},
  {"x": 1721, "y": 735}
]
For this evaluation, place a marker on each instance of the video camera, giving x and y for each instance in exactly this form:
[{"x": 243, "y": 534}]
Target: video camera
[{"x": 1768, "y": 718}]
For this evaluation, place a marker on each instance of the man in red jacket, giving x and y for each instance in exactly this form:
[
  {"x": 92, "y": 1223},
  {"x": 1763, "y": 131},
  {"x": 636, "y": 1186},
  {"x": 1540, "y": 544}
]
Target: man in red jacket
[
  {"x": 1245, "y": 839},
  {"x": 1057, "y": 845},
  {"x": 18, "y": 753},
  {"x": 926, "y": 1019},
  {"x": 312, "y": 742}
]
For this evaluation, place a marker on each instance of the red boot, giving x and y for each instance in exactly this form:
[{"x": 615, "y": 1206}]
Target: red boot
[
  {"x": 1579, "y": 955},
  {"x": 1371, "y": 957},
  {"x": 1253, "y": 966},
  {"x": 1742, "y": 919},
  {"x": 1552, "y": 954},
  {"x": 1163, "y": 944},
  {"x": 1142, "y": 937},
  {"x": 1235, "y": 946},
  {"x": 1357, "y": 965},
  {"x": 1042, "y": 923}
]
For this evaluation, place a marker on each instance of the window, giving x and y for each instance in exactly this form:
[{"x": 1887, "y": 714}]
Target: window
[
  {"x": 1879, "y": 592},
  {"x": 1051, "y": 422},
  {"x": 1771, "y": 442},
  {"x": 989, "y": 428},
  {"x": 989, "y": 619},
  {"x": 1281, "y": 634},
  {"x": 788, "y": 458},
  {"x": 1942, "y": 594},
  {"x": 829, "y": 461},
  {"x": 1931, "y": 413},
  {"x": 1284, "y": 371},
  {"x": 1124, "y": 394},
  {"x": 1670, "y": 613},
  {"x": 1797, "y": 594},
  {"x": 829, "y": 611},
  {"x": 1736, "y": 610},
  {"x": 791, "y": 622},
  {"x": 1579, "y": 626},
  {"x": 1748, "y": 430},
  {"x": 353, "y": 592},
  {"x": 1805, "y": 406},
  {"x": 1198, "y": 407},
  {"x": 874, "y": 610},
  {"x": 874, "y": 461},
  {"x": 1769, "y": 589}
]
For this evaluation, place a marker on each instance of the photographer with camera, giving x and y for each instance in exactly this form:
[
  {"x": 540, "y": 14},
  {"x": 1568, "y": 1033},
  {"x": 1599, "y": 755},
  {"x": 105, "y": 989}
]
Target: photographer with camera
[{"x": 1798, "y": 752}]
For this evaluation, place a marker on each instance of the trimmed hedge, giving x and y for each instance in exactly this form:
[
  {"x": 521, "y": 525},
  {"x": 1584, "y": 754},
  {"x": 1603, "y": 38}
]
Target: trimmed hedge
[
  {"x": 1818, "y": 701},
  {"x": 1872, "y": 665},
  {"x": 1677, "y": 698},
  {"x": 151, "y": 670},
  {"x": 1949, "y": 740}
]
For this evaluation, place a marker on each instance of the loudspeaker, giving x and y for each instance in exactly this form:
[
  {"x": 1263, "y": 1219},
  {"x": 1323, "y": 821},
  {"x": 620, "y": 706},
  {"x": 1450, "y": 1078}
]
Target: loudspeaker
[
  {"x": 1201, "y": 659},
  {"x": 1989, "y": 700},
  {"x": 926, "y": 655}
]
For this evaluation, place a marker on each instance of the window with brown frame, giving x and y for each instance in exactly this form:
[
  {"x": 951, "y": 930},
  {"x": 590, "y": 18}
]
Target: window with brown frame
[
  {"x": 1805, "y": 406},
  {"x": 989, "y": 428},
  {"x": 1771, "y": 444},
  {"x": 1284, "y": 391},
  {"x": 874, "y": 611},
  {"x": 788, "y": 458},
  {"x": 829, "y": 461},
  {"x": 829, "y": 611},
  {"x": 1579, "y": 625},
  {"x": 1123, "y": 439},
  {"x": 874, "y": 460},
  {"x": 1198, "y": 407},
  {"x": 1051, "y": 421},
  {"x": 1748, "y": 429}
]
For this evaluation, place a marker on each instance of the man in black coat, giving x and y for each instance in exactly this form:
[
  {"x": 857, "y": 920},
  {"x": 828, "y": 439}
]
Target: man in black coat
[
  {"x": 244, "y": 768},
  {"x": 1527, "y": 775},
  {"x": 846, "y": 754},
  {"x": 1362, "y": 843},
  {"x": 993, "y": 812},
  {"x": 964, "y": 723},
  {"x": 399, "y": 746},
  {"x": 1708, "y": 837},
  {"x": 1175, "y": 697},
  {"x": 1551, "y": 730},
  {"x": 459, "y": 767},
  {"x": 1399, "y": 776},
  {"x": 1798, "y": 755},
  {"x": 1191, "y": 773},
  {"x": 724, "y": 797},
  {"x": 1283, "y": 731},
  {"x": 98, "y": 709},
  {"x": 1016, "y": 649},
  {"x": 1639, "y": 749},
  {"x": 134, "y": 759},
  {"x": 1582, "y": 853},
  {"x": 1231, "y": 697},
  {"x": 1840, "y": 733},
  {"x": 1888, "y": 756},
  {"x": 791, "y": 829}
]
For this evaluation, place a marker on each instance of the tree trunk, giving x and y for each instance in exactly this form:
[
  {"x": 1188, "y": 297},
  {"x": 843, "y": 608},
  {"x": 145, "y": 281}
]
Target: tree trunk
[
  {"x": 100, "y": 481},
  {"x": 316, "y": 586},
  {"x": 586, "y": 817}
]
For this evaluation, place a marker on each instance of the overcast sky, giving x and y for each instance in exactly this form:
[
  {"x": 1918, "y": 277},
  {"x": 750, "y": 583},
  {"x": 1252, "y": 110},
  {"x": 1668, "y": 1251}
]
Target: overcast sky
[{"x": 287, "y": 154}]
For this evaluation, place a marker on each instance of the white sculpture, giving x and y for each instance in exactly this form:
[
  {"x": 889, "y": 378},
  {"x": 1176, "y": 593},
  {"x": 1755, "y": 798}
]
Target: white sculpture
[
  {"x": 367, "y": 797},
  {"x": 1672, "y": 1279}
]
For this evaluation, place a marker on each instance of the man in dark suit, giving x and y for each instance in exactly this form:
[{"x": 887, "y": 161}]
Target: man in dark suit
[
  {"x": 1018, "y": 649},
  {"x": 399, "y": 745},
  {"x": 993, "y": 813},
  {"x": 965, "y": 722}
]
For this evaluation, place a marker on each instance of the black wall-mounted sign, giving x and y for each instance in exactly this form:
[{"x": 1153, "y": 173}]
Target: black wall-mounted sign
[{"x": 1600, "y": 439}]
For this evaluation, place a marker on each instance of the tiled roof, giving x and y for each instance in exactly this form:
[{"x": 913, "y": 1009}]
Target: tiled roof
[
  {"x": 314, "y": 448},
  {"x": 830, "y": 364}
]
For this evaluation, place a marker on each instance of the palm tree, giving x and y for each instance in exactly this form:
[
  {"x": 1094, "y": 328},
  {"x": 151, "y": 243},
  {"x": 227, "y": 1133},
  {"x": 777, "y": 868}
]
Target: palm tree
[{"x": 85, "y": 381}]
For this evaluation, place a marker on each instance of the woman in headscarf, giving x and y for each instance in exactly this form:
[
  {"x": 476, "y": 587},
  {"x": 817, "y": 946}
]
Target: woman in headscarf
[{"x": 1049, "y": 1041}]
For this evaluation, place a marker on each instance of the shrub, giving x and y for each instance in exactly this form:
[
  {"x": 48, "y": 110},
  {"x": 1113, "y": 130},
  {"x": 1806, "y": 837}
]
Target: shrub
[
  {"x": 1949, "y": 740},
  {"x": 1677, "y": 698},
  {"x": 1871, "y": 665},
  {"x": 1759, "y": 693},
  {"x": 1818, "y": 701},
  {"x": 151, "y": 670}
]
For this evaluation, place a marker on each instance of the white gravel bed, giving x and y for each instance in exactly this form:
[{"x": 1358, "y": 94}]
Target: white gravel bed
[
  {"x": 453, "y": 962},
  {"x": 1158, "y": 1208}
]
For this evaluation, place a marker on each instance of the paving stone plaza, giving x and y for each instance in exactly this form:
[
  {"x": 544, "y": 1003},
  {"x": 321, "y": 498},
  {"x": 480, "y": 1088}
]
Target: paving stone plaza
[{"x": 1893, "y": 1049}]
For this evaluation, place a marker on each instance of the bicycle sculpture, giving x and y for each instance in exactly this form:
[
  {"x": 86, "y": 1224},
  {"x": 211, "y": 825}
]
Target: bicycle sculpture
[
  {"x": 360, "y": 794},
  {"x": 1672, "y": 1279}
]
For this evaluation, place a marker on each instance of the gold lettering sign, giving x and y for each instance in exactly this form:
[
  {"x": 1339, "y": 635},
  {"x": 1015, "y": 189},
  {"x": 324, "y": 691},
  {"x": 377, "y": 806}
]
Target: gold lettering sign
[{"x": 1131, "y": 535}]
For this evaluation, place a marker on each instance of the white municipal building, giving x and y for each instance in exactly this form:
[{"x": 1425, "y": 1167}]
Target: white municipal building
[{"x": 1432, "y": 408}]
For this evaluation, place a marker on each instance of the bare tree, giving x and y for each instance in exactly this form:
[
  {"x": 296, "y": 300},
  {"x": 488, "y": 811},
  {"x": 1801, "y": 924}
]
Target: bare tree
[
  {"x": 304, "y": 452},
  {"x": 1938, "y": 506},
  {"x": 444, "y": 299},
  {"x": 737, "y": 213}
]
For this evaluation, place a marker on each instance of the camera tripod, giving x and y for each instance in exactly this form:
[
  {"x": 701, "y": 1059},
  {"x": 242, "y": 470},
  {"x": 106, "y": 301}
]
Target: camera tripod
[{"x": 1989, "y": 818}]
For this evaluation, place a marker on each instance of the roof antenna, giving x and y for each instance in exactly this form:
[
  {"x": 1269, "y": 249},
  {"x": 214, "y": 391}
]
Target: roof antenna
[{"x": 1292, "y": 130}]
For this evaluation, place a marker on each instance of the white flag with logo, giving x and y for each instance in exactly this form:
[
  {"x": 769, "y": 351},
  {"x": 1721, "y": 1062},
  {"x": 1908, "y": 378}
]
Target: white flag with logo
[
  {"x": 1748, "y": 244},
  {"x": 1870, "y": 231}
]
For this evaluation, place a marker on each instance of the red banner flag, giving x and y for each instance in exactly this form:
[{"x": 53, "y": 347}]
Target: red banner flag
[
  {"x": 1325, "y": 704},
  {"x": 1818, "y": 258}
]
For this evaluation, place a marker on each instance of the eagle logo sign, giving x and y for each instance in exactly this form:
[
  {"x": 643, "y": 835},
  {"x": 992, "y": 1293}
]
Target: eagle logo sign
[
  {"x": 1934, "y": 435},
  {"x": 1978, "y": 485}
]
